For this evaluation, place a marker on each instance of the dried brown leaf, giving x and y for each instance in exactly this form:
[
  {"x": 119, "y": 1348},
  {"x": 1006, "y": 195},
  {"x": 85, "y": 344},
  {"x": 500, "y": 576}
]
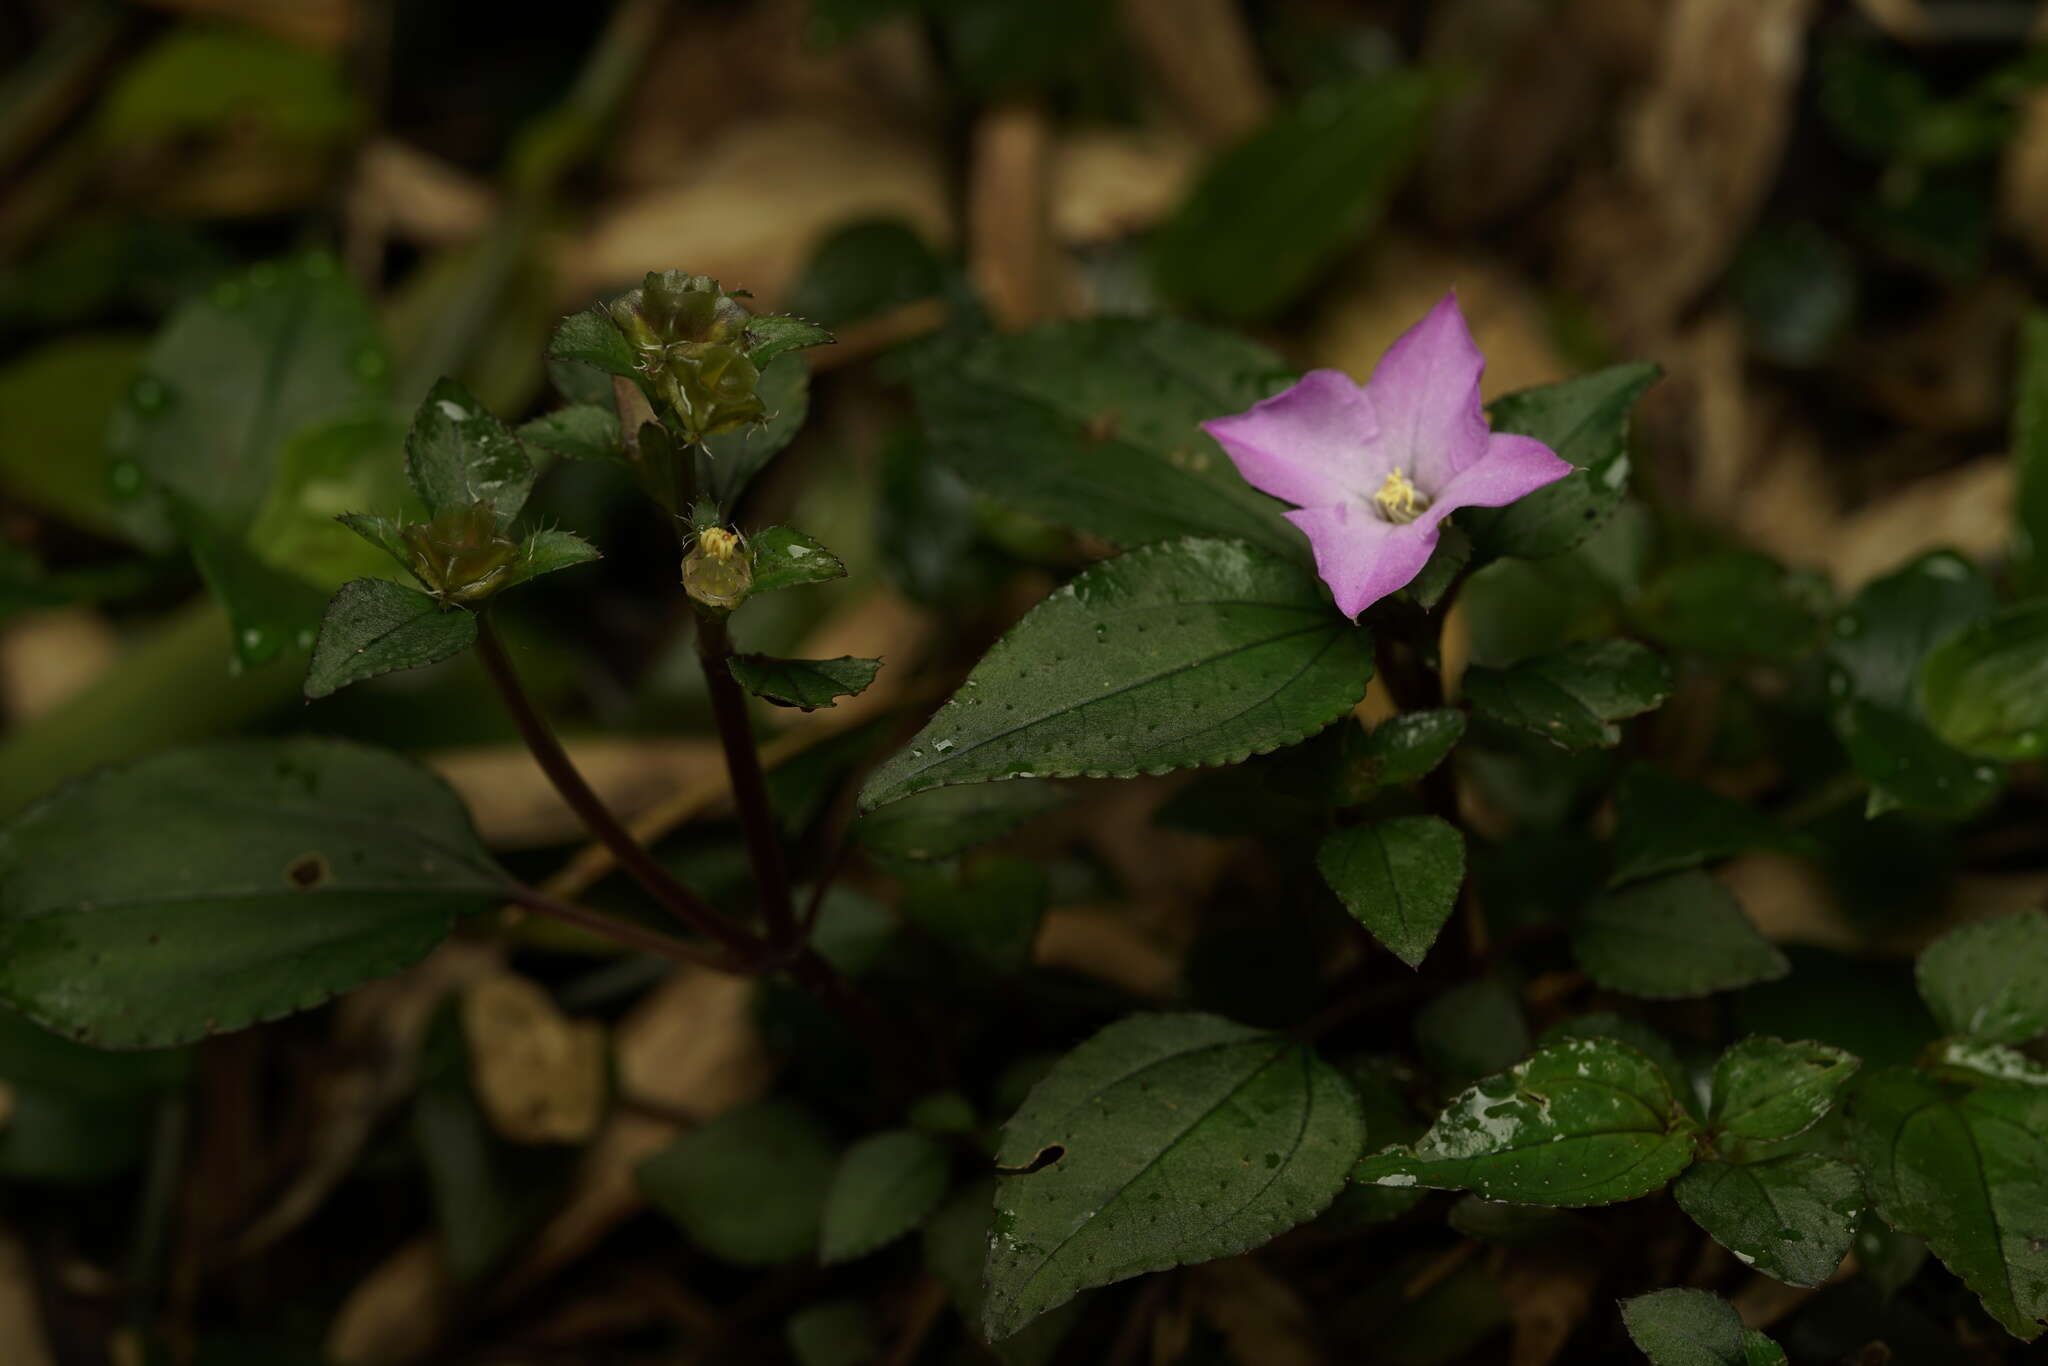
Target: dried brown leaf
[{"x": 540, "y": 1076}]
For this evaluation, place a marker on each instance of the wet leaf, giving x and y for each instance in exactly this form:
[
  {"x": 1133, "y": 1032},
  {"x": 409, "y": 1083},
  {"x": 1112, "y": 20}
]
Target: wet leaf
[
  {"x": 1909, "y": 768},
  {"x": 1791, "y": 1218},
  {"x": 1573, "y": 696},
  {"x": 772, "y": 334},
  {"x": 1986, "y": 688},
  {"x": 1695, "y": 1328},
  {"x": 1676, "y": 936},
  {"x": 1881, "y": 637},
  {"x": 256, "y": 878},
  {"x": 1583, "y": 1122},
  {"x": 1586, "y": 421},
  {"x": 1164, "y": 1140},
  {"x": 1989, "y": 982},
  {"x": 789, "y": 559},
  {"x": 1766, "y": 1089},
  {"x": 458, "y": 454},
  {"x": 1092, "y": 425},
  {"x": 1173, "y": 656},
  {"x": 1399, "y": 750},
  {"x": 806, "y": 684},
  {"x": 1965, "y": 1168},
  {"x": 374, "y": 626},
  {"x": 1399, "y": 878},
  {"x": 951, "y": 820},
  {"x": 884, "y": 1187}
]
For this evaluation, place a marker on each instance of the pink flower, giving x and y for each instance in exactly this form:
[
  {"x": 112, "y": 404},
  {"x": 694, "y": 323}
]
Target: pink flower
[{"x": 1373, "y": 470}]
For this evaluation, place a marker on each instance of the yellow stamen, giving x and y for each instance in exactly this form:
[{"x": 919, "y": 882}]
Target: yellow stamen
[
  {"x": 1398, "y": 500},
  {"x": 718, "y": 543}
]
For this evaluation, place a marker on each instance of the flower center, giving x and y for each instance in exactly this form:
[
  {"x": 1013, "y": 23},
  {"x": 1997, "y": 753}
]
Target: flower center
[{"x": 1398, "y": 500}]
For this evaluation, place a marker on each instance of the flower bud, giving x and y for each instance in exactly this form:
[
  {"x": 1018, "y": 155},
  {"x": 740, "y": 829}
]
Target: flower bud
[
  {"x": 461, "y": 555},
  {"x": 719, "y": 570},
  {"x": 688, "y": 338}
]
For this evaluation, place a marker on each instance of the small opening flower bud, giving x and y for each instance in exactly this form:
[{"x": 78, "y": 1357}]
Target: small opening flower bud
[
  {"x": 461, "y": 556},
  {"x": 719, "y": 570}
]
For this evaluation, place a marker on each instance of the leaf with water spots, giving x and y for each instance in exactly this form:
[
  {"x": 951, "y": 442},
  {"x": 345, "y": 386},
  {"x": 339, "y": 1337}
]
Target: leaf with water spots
[
  {"x": 1766, "y": 1089},
  {"x": 1989, "y": 982},
  {"x": 1172, "y": 656},
  {"x": 1163, "y": 1140},
  {"x": 255, "y": 879},
  {"x": 1399, "y": 878},
  {"x": 1966, "y": 1168},
  {"x": 374, "y": 627},
  {"x": 1582, "y": 1122},
  {"x": 1791, "y": 1218},
  {"x": 458, "y": 454},
  {"x": 1093, "y": 425},
  {"x": 1574, "y": 695},
  {"x": 1681, "y": 1327}
]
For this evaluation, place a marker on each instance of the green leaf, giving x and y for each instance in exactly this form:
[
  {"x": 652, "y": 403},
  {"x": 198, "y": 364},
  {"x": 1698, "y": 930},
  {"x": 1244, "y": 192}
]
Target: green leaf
[
  {"x": 789, "y": 559},
  {"x": 771, "y": 334},
  {"x": 374, "y": 626},
  {"x": 1473, "y": 1030},
  {"x": 1908, "y": 767},
  {"x": 1663, "y": 824},
  {"x": 458, "y": 454},
  {"x": 1271, "y": 215},
  {"x": 33, "y": 1056},
  {"x": 582, "y": 431},
  {"x": 1966, "y": 1169},
  {"x": 234, "y": 376},
  {"x": 254, "y": 879},
  {"x": 1989, "y": 982},
  {"x": 383, "y": 532},
  {"x": 1791, "y": 1218},
  {"x": 835, "y": 1333},
  {"x": 1399, "y": 878},
  {"x": 1735, "y": 605},
  {"x": 1399, "y": 750},
  {"x": 51, "y": 1138},
  {"x": 201, "y": 79},
  {"x": 1164, "y": 1140},
  {"x": 269, "y": 611},
  {"x": 728, "y": 461},
  {"x": 1585, "y": 420},
  {"x": 1584, "y": 1122},
  {"x": 1572, "y": 696},
  {"x": 1694, "y": 1328},
  {"x": 592, "y": 338},
  {"x": 991, "y": 914},
  {"x": 1092, "y": 425},
  {"x": 52, "y": 447},
  {"x": 2030, "y": 455},
  {"x": 1881, "y": 637},
  {"x": 956, "y": 1241},
  {"x": 884, "y": 1187},
  {"x": 865, "y": 269},
  {"x": 1985, "y": 689},
  {"x": 749, "y": 1187},
  {"x": 948, "y": 821},
  {"x": 1172, "y": 656},
  {"x": 1676, "y": 936},
  {"x": 544, "y": 552},
  {"x": 1766, "y": 1089},
  {"x": 806, "y": 684}
]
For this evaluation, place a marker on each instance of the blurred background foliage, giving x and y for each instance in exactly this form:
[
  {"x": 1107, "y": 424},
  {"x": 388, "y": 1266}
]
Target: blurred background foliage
[{"x": 1826, "y": 220}]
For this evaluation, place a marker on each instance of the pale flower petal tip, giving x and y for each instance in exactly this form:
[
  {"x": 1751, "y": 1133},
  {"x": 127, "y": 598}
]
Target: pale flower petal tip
[{"x": 1375, "y": 468}]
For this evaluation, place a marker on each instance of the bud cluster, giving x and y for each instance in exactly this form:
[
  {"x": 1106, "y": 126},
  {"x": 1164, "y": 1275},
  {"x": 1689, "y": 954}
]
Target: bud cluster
[
  {"x": 689, "y": 341},
  {"x": 461, "y": 555}
]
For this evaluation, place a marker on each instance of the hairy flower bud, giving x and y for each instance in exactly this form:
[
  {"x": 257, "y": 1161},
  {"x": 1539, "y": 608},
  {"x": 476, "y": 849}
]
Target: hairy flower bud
[
  {"x": 719, "y": 570},
  {"x": 688, "y": 338},
  {"x": 460, "y": 556}
]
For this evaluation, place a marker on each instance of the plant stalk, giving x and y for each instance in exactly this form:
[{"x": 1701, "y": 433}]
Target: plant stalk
[
  {"x": 749, "y": 784},
  {"x": 633, "y": 856}
]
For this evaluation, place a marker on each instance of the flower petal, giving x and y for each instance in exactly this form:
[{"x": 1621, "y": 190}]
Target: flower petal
[
  {"x": 1362, "y": 556},
  {"x": 1425, "y": 392},
  {"x": 1510, "y": 467},
  {"x": 1306, "y": 444}
]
